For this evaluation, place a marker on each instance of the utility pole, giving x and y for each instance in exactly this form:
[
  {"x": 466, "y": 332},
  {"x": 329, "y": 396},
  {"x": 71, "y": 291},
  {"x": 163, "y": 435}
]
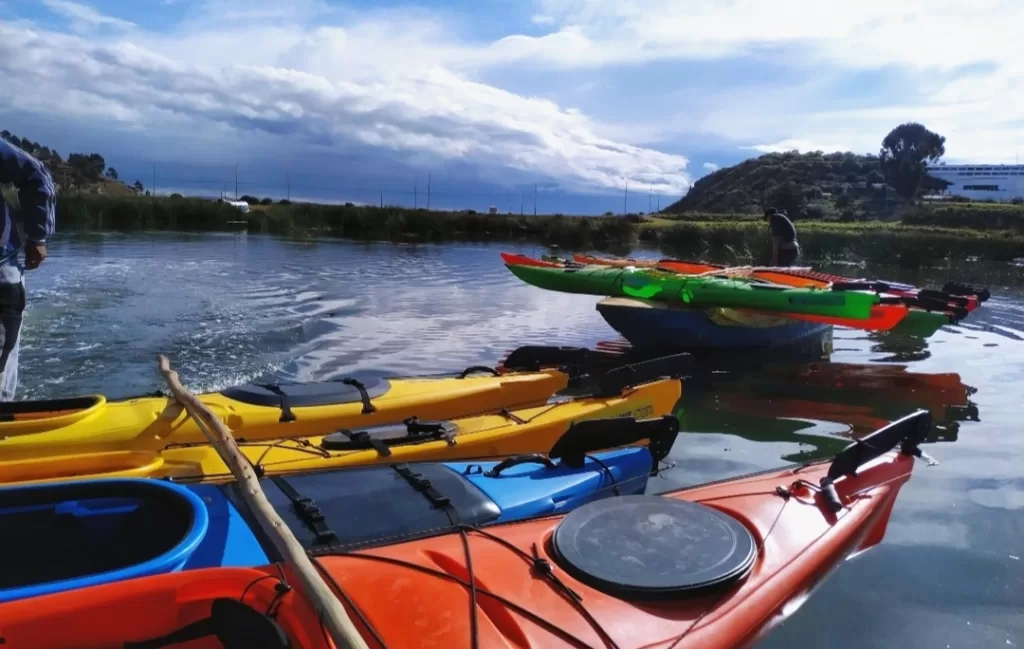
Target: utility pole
[
  {"x": 415, "y": 194},
  {"x": 522, "y": 202},
  {"x": 650, "y": 195},
  {"x": 625, "y": 198},
  {"x": 381, "y": 199},
  {"x": 154, "y": 179},
  {"x": 428, "y": 191},
  {"x": 288, "y": 185},
  {"x": 236, "y": 181},
  {"x": 535, "y": 199}
]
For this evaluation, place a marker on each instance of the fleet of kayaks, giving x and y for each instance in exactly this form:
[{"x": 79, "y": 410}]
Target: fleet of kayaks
[
  {"x": 102, "y": 531},
  {"x": 635, "y": 391},
  {"x": 654, "y": 284},
  {"x": 923, "y": 312},
  {"x": 900, "y": 308},
  {"x": 480, "y": 510},
  {"x": 712, "y": 566}
]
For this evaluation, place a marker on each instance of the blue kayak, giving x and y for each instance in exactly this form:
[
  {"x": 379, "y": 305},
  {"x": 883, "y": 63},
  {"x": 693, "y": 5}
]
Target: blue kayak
[
  {"x": 67, "y": 535},
  {"x": 658, "y": 325}
]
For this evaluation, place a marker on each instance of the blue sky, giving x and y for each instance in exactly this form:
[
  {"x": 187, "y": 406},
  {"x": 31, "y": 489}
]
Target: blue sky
[{"x": 340, "y": 100}]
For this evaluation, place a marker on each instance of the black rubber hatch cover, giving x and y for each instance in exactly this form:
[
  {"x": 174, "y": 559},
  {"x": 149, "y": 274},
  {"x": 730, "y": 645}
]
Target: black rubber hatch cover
[{"x": 648, "y": 547}]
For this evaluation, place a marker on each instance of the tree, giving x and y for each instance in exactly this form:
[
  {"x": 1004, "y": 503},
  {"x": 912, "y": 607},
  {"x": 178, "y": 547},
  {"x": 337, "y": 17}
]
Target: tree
[
  {"x": 138, "y": 185},
  {"x": 903, "y": 155},
  {"x": 788, "y": 197},
  {"x": 112, "y": 173}
]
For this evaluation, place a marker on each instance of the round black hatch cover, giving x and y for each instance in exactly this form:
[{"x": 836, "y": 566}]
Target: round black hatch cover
[{"x": 652, "y": 546}]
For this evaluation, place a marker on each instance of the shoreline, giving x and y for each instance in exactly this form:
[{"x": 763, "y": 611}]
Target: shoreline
[{"x": 742, "y": 237}]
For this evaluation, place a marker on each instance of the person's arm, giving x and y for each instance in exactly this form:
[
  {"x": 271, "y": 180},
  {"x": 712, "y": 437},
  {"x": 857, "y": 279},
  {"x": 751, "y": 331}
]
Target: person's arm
[{"x": 37, "y": 195}]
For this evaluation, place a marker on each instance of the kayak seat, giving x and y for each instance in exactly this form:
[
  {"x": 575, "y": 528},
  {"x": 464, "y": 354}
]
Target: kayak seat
[
  {"x": 318, "y": 393},
  {"x": 56, "y": 533},
  {"x": 373, "y": 505}
]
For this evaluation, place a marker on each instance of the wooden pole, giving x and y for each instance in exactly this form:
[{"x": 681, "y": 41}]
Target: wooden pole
[{"x": 334, "y": 615}]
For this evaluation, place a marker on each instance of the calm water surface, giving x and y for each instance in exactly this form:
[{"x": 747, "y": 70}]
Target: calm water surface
[{"x": 232, "y": 308}]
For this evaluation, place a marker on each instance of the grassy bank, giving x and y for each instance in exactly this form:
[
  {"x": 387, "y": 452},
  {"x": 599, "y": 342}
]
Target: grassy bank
[
  {"x": 900, "y": 244},
  {"x": 941, "y": 235},
  {"x": 86, "y": 213}
]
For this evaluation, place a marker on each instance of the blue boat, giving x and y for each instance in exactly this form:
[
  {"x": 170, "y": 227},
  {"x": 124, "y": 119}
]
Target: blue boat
[
  {"x": 649, "y": 324},
  {"x": 68, "y": 535}
]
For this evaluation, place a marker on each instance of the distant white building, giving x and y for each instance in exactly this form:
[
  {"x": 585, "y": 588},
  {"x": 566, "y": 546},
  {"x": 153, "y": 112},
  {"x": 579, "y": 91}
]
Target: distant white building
[
  {"x": 240, "y": 205},
  {"x": 980, "y": 182}
]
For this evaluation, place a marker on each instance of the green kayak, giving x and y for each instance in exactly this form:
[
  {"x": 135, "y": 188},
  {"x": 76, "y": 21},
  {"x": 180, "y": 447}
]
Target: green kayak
[{"x": 697, "y": 291}]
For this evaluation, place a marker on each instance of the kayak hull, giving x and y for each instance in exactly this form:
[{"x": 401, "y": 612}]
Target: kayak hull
[
  {"x": 655, "y": 325},
  {"x": 525, "y": 430}
]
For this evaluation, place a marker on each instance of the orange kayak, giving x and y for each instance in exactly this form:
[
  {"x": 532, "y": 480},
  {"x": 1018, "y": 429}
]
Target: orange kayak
[{"x": 710, "y": 566}]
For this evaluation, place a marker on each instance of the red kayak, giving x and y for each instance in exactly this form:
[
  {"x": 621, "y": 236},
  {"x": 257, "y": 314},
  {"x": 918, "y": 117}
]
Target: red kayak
[
  {"x": 215, "y": 608},
  {"x": 710, "y": 566}
]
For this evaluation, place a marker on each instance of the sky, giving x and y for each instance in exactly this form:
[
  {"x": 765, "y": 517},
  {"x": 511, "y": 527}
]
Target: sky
[{"x": 587, "y": 105}]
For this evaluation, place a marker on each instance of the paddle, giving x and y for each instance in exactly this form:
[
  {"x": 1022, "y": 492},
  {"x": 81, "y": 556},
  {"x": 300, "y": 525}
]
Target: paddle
[{"x": 336, "y": 619}]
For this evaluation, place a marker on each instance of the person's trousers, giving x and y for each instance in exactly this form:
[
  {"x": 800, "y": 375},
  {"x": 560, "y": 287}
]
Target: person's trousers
[
  {"x": 788, "y": 256},
  {"x": 12, "y": 310}
]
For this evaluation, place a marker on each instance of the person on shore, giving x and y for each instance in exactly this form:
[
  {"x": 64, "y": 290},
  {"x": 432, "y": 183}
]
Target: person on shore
[
  {"x": 37, "y": 197},
  {"x": 785, "y": 248}
]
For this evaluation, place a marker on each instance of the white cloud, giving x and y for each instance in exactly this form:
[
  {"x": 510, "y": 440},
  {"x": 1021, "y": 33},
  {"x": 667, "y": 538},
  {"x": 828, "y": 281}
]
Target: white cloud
[
  {"x": 711, "y": 166},
  {"x": 803, "y": 146},
  {"x": 541, "y": 19},
  {"x": 298, "y": 87},
  {"x": 85, "y": 18}
]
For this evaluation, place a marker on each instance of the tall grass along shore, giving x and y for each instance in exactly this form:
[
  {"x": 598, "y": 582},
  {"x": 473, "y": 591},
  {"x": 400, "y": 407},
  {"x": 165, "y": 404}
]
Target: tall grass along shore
[{"x": 924, "y": 233}]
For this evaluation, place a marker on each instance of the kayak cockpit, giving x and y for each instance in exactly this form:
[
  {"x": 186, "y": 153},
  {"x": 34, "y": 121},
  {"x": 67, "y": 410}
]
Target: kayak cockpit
[
  {"x": 24, "y": 417},
  {"x": 93, "y": 532}
]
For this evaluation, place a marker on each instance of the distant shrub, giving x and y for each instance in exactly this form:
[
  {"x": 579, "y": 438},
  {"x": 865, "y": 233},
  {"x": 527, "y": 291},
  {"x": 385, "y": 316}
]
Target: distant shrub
[{"x": 267, "y": 201}]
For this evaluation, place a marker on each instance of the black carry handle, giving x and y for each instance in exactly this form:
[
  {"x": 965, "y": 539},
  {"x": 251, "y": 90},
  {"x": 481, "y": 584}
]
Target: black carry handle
[
  {"x": 364, "y": 396},
  {"x": 907, "y": 432},
  {"x": 616, "y": 380},
  {"x": 532, "y": 358},
  {"x": 476, "y": 369},
  {"x": 957, "y": 288},
  {"x": 612, "y": 432},
  {"x": 509, "y": 462}
]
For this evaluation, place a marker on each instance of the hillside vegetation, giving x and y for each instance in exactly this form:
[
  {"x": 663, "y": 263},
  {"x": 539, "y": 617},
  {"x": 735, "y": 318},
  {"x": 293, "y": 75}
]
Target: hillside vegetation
[
  {"x": 845, "y": 186},
  {"x": 81, "y": 172}
]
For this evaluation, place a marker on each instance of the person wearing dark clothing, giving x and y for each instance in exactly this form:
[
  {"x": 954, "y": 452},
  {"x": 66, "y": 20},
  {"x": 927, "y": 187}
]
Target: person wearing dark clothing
[
  {"x": 37, "y": 197},
  {"x": 785, "y": 248}
]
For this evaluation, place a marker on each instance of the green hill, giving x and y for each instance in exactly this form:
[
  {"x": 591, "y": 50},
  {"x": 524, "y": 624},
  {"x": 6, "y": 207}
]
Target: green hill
[{"x": 807, "y": 185}]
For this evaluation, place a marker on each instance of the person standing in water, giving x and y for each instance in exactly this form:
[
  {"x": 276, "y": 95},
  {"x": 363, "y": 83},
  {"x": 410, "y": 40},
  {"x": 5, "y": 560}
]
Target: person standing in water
[
  {"x": 37, "y": 196},
  {"x": 785, "y": 248}
]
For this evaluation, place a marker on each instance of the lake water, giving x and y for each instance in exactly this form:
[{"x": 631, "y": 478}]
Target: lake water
[{"x": 233, "y": 307}]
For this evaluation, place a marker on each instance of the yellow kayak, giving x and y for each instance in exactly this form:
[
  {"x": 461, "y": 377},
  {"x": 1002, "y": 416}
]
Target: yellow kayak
[
  {"x": 523, "y": 430},
  {"x": 263, "y": 411}
]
